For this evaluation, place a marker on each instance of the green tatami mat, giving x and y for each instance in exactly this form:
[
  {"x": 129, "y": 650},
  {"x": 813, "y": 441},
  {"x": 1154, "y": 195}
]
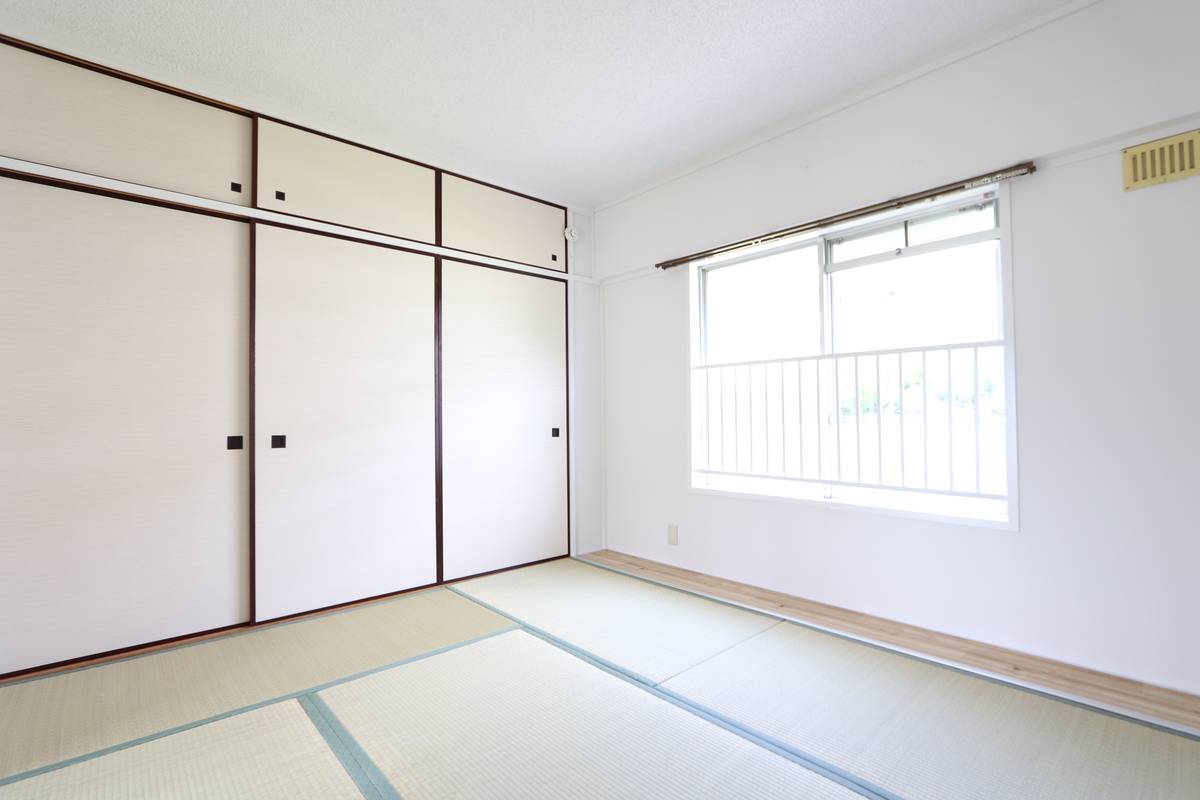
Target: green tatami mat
[
  {"x": 645, "y": 629},
  {"x": 47, "y": 720},
  {"x": 926, "y": 732},
  {"x": 515, "y": 717},
  {"x": 272, "y": 752}
]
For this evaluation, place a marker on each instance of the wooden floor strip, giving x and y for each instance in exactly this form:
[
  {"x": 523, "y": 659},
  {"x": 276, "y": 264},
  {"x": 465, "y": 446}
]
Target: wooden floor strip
[{"x": 1145, "y": 700}]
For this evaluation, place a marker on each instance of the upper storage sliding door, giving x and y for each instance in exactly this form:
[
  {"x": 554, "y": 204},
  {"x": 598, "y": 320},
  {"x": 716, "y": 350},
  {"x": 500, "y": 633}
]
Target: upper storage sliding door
[
  {"x": 124, "y": 348},
  {"x": 76, "y": 118},
  {"x": 487, "y": 221},
  {"x": 326, "y": 179},
  {"x": 344, "y": 421},
  {"x": 504, "y": 419}
]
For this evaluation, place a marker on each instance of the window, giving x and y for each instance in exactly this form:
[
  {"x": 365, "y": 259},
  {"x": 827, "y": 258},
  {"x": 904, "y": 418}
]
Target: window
[
  {"x": 751, "y": 308},
  {"x": 865, "y": 364}
]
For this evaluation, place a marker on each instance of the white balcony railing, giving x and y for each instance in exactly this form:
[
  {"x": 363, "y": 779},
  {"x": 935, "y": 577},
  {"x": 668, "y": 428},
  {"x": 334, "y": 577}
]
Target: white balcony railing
[{"x": 923, "y": 419}]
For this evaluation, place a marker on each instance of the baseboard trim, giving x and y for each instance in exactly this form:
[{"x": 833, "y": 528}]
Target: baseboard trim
[{"x": 1157, "y": 705}]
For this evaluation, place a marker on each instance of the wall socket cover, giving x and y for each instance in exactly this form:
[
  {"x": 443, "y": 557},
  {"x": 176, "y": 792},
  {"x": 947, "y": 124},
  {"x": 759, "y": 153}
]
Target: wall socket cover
[{"x": 672, "y": 534}]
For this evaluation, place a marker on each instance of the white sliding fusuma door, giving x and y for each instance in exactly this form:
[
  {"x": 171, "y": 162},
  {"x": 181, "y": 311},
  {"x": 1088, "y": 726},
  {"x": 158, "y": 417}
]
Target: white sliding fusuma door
[
  {"x": 80, "y": 119},
  {"x": 314, "y": 176},
  {"x": 344, "y": 421},
  {"x": 504, "y": 419},
  {"x": 124, "y": 349},
  {"x": 489, "y": 221}
]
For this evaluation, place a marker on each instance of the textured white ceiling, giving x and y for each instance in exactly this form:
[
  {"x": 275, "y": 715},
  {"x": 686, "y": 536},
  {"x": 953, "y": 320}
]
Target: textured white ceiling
[{"x": 579, "y": 102}]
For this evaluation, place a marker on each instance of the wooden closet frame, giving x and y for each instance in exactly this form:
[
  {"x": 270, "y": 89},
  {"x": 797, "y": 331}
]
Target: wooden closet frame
[{"x": 252, "y": 223}]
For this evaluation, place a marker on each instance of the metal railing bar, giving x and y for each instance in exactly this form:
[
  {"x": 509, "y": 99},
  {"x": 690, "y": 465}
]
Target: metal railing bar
[
  {"x": 837, "y": 413},
  {"x": 783, "y": 419},
  {"x": 878, "y": 422},
  {"x": 977, "y": 470},
  {"x": 836, "y": 468},
  {"x": 900, "y": 408},
  {"x": 949, "y": 420},
  {"x": 800, "y": 412},
  {"x": 737, "y": 427},
  {"x": 708, "y": 419},
  {"x": 820, "y": 458},
  {"x": 925, "y": 416},
  {"x": 750, "y": 402},
  {"x": 767, "y": 414},
  {"x": 857, "y": 425},
  {"x": 721, "y": 412}
]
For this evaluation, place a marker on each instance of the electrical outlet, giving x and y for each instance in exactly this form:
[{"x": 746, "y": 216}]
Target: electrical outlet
[{"x": 672, "y": 534}]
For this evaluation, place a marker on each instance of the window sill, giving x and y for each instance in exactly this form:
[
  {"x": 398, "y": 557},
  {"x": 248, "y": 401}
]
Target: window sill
[{"x": 969, "y": 512}]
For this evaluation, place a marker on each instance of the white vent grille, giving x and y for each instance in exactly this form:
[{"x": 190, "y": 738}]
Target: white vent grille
[{"x": 1162, "y": 160}]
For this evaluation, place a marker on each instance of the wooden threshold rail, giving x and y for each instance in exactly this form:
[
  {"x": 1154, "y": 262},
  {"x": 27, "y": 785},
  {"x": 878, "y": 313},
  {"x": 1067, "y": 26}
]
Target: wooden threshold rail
[{"x": 1143, "y": 700}]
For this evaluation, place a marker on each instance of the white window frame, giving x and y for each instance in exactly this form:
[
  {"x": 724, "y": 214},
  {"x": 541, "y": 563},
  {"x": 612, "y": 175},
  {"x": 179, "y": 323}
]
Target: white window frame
[{"x": 822, "y": 239}]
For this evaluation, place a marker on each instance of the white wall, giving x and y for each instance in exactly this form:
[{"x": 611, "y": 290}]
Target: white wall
[
  {"x": 586, "y": 320},
  {"x": 587, "y": 501},
  {"x": 1102, "y": 571}
]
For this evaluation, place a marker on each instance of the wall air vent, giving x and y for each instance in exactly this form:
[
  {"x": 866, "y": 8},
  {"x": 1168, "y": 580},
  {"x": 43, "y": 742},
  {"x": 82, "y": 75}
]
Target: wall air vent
[{"x": 1162, "y": 160}]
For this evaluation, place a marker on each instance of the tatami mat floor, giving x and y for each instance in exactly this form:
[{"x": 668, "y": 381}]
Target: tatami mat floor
[
  {"x": 562, "y": 680},
  {"x": 514, "y": 716},
  {"x": 46, "y": 720},
  {"x": 903, "y": 726}
]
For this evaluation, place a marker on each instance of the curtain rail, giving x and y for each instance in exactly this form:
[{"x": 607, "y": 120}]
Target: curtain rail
[{"x": 1024, "y": 168}]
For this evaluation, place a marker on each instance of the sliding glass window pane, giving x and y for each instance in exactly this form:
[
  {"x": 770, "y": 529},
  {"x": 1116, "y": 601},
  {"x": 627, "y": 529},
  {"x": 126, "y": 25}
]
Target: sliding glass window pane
[
  {"x": 763, "y": 309},
  {"x": 946, "y": 297},
  {"x": 867, "y": 244},
  {"x": 958, "y": 222}
]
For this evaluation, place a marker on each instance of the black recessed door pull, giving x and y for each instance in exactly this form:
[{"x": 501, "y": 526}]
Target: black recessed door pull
[
  {"x": 235, "y": 186},
  {"x": 278, "y": 441},
  {"x": 233, "y": 443},
  {"x": 280, "y": 195},
  {"x": 554, "y": 432}
]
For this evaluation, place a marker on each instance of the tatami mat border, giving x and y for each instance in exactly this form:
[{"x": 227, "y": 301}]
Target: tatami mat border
[{"x": 362, "y": 770}]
